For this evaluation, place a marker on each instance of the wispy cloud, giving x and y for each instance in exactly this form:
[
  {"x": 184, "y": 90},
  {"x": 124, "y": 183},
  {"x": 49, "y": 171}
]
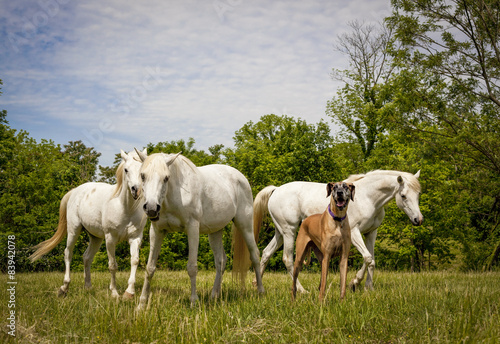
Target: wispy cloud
[{"x": 122, "y": 74}]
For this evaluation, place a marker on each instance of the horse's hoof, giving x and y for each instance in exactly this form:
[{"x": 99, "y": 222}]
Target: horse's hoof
[
  {"x": 352, "y": 286},
  {"x": 128, "y": 296},
  {"x": 61, "y": 292},
  {"x": 302, "y": 290}
]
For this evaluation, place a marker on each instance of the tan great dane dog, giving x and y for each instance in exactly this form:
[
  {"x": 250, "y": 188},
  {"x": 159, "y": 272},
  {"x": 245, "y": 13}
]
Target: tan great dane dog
[{"x": 328, "y": 234}]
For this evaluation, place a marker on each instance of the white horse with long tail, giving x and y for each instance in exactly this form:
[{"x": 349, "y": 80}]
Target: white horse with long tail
[
  {"x": 178, "y": 196},
  {"x": 107, "y": 212},
  {"x": 291, "y": 203}
]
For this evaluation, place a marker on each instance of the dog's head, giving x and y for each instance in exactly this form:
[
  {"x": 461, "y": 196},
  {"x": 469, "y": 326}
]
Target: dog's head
[{"x": 341, "y": 192}]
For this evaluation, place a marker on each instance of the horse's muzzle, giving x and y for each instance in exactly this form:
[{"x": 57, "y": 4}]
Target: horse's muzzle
[
  {"x": 153, "y": 212},
  {"x": 417, "y": 221}
]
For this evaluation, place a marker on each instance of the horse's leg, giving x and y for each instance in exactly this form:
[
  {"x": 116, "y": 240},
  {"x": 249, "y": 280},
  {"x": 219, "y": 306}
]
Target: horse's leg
[
  {"x": 73, "y": 233},
  {"x": 271, "y": 248},
  {"x": 113, "y": 266},
  {"x": 155, "y": 238},
  {"x": 193, "y": 233},
  {"x": 215, "y": 240},
  {"x": 243, "y": 221},
  {"x": 88, "y": 257},
  {"x": 357, "y": 241},
  {"x": 370, "y": 245},
  {"x": 134, "y": 243},
  {"x": 289, "y": 244}
]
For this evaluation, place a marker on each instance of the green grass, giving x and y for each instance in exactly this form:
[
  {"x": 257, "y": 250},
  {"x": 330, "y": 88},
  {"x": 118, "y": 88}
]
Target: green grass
[{"x": 437, "y": 307}]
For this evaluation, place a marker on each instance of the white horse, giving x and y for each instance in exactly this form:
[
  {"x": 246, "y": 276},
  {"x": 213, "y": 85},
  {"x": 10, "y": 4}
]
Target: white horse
[
  {"x": 291, "y": 203},
  {"x": 178, "y": 196},
  {"x": 107, "y": 212}
]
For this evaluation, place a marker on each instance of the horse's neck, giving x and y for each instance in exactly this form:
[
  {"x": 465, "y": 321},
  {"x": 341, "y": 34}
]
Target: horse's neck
[
  {"x": 126, "y": 198},
  {"x": 380, "y": 191}
]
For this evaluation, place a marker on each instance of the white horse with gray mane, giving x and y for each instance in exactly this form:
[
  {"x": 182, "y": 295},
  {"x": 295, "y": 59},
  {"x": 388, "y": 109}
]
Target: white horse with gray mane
[
  {"x": 291, "y": 203},
  {"x": 107, "y": 212},
  {"x": 178, "y": 196}
]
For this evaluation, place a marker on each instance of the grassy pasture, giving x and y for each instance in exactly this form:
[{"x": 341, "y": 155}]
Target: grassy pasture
[{"x": 435, "y": 307}]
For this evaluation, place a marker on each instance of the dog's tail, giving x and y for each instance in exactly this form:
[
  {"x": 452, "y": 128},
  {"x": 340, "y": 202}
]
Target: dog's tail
[
  {"x": 62, "y": 228},
  {"x": 260, "y": 208}
]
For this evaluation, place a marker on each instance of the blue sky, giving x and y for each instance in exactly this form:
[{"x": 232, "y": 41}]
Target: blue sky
[{"x": 120, "y": 74}]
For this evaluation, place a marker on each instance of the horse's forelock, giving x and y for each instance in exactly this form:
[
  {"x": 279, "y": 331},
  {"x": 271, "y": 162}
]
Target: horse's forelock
[{"x": 154, "y": 163}]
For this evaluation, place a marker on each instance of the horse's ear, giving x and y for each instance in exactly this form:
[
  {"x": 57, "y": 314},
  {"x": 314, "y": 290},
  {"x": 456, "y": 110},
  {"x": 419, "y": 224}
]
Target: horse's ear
[
  {"x": 353, "y": 189},
  {"x": 171, "y": 159},
  {"x": 141, "y": 155},
  {"x": 417, "y": 175},
  {"x": 400, "y": 180},
  {"x": 124, "y": 155},
  {"x": 329, "y": 188}
]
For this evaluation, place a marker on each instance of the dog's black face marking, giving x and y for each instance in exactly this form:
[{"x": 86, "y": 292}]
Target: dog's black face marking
[{"x": 341, "y": 193}]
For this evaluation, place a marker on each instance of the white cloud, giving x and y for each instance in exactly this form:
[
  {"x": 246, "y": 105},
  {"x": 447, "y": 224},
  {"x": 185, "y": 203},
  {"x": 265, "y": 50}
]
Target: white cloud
[{"x": 122, "y": 74}]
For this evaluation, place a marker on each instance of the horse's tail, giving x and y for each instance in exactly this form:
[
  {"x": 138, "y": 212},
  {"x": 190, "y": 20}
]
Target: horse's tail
[
  {"x": 260, "y": 208},
  {"x": 241, "y": 256},
  {"x": 62, "y": 228}
]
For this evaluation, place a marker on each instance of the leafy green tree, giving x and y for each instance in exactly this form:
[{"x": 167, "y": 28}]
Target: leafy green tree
[
  {"x": 448, "y": 96},
  {"x": 85, "y": 160},
  {"x": 281, "y": 149},
  {"x": 361, "y": 106}
]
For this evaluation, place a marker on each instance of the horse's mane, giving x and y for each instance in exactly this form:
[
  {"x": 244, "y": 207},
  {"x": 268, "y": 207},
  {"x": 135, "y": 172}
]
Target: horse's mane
[{"x": 409, "y": 178}]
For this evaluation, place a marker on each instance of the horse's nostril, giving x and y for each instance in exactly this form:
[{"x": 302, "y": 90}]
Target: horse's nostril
[
  {"x": 145, "y": 206},
  {"x": 158, "y": 207}
]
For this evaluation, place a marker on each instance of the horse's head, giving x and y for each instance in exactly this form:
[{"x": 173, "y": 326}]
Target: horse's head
[
  {"x": 131, "y": 165},
  {"x": 408, "y": 195},
  {"x": 155, "y": 173}
]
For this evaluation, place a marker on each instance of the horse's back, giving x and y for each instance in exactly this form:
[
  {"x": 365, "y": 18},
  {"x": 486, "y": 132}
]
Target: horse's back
[
  {"x": 226, "y": 192},
  {"x": 292, "y": 202},
  {"x": 86, "y": 204},
  {"x": 224, "y": 178}
]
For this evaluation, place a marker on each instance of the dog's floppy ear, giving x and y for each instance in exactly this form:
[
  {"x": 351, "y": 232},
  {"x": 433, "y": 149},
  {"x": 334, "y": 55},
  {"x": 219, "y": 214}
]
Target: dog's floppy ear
[
  {"x": 329, "y": 188},
  {"x": 353, "y": 189}
]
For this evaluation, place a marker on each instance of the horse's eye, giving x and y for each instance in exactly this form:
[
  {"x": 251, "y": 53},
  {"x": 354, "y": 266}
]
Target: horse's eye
[
  {"x": 126, "y": 171},
  {"x": 143, "y": 177},
  {"x": 403, "y": 196},
  {"x": 165, "y": 180}
]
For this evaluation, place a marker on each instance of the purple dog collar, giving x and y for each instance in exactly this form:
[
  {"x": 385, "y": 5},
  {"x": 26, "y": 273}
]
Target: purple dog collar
[{"x": 336, "y": 218}]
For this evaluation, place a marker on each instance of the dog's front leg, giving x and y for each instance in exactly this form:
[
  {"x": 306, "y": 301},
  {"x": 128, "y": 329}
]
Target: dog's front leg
[
  {"x": 324, "y": 272},
  {"x": 346, "y": 247}
]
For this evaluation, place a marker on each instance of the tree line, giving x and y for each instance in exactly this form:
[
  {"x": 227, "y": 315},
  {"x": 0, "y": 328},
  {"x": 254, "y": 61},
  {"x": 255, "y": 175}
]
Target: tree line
[{"x": 420, "y": 93}]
